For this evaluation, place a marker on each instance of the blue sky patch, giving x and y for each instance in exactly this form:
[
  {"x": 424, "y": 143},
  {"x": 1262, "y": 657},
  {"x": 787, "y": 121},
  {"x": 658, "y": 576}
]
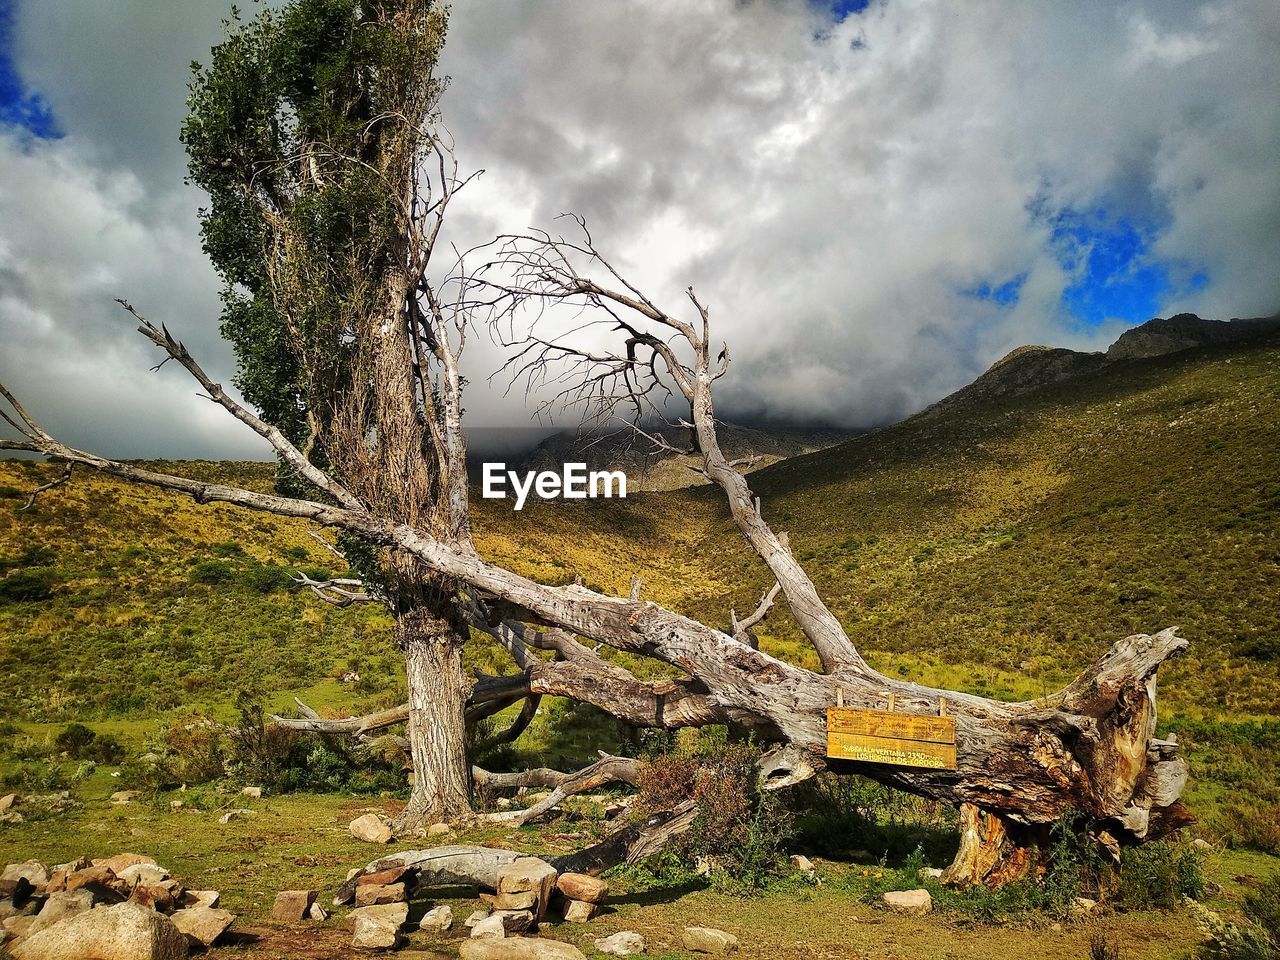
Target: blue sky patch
[
  {"x": 843, "y": 9},
  {"x": 20, "y": 107},
  {"x": 1001, "y": 294}
]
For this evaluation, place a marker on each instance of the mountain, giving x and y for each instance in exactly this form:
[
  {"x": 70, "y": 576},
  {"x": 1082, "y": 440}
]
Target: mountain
[
  {"x": 1030, "y": 368},
  {"x": 650, "y": 468}
]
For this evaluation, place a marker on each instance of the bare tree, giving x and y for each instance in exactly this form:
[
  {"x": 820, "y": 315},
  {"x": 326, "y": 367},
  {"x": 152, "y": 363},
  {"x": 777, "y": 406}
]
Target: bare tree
[{"x": 1090, "y": 747}]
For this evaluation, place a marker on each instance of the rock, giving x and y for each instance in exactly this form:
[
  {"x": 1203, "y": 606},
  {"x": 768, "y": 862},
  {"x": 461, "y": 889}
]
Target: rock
[
  {"x": 154, "y": 896},
  {"x": 254, "y": 792},
  {"x": 144, "y": 873},
  {"x": 176, "y": 804},
  {"x": 614, "y": 810},
  {"x": 439, "y": 830},
  {"x": 292, "y": 905},
  {"x": 490, "y": 928},
  {"x": 381, "y": 878},
  {"x": 578, "y": 911},
  {"x": 371, "y": 828},
  {"x": 908, "y": 901},
  {"x": 437, "y": 919},
  {"x": 933, "y": 873},
  {"x": 7, "y": 802},
  {"x": 125, "y": 796},
  {"x": 9, "y": 909},
  {"x": 515, "y": 921},
  {"x": 581, "y": 886},
  {"x": 1083, "y": 906},
  {"x": 100, "y": 876},
  {"x": 476, "y": 917},
  {"x": 390, "y": 914},
  {"x": 122, "y": 861},
  {"x": 59, "y": 906},
  {"x": 238, "y": 814},
  {"x": 33, "y": 872},
  {"x": 1204, "y": 846},
  {"x": 72, "y": 866},
  {"x": 19, "y": 926},
  {"x": 373, "y": 893},
  {"x": 317, "y": 913},
  {"x": 529, "y": 874},
  {"x": 625, "y": 943},
  {"x": 802, "y": 863},
  {"x": 709, "y": 940},
  {"x": 525, "y": 900},
  {"x": 372, "y": 934},
  {"x": 202, "y": 925},
  {"x": 522, "y": 948},
  {"x": 122, "y": 932},
  {"x": 504, "y": 803},
  {"x": 199, "y": 898}
]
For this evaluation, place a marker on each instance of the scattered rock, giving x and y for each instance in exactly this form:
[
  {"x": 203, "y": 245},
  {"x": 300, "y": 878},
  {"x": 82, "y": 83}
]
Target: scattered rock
[
  {"x": 122, "y": 861},
  {"x": 122, "y": 932},
  {"x": 579, "y": 911},
  {"x": 489, "y": 928},
  {"x": 369, "y": 894},
  {"x": 125, "y": 796},
  {"x": 625, "y": 943},
  {"x": 202, "y": 925},
  {"x": 532, "y": 875},
  {"x": 504, "y": 803},
  {"x": 58, "y": 907},
  {"x": 154, "y": 896},
  {"x": 371, "y": 828},
  {"x": 20, "y": 926},
  {"x": 253, "y": 792},
  {"x": 35, "y": 873},
  {"x": 381, "y": 878},
  {"x": 709, "y": 940},
  {"x": 237, "y": 814},
  {"x": 1083, "y": 906},
  {"x": 292, "y": 905},
  {"x": 176, "y": 804},
  {"x": 933, "y": 873},
  {"x": 908, "y": 901},
  {"x": 524, "y": 900},
  {"x": 581, "y": 886},
  {"x": 439, "y": 830},
  {"x": 391, "y": 914},
  {"x": 614, "y": 810},
  {"x": 372, "y": 934},
  {"x": 1199, "y": 843},
  {"x": 437, "y": 919},
  {"x": 94, "y": 877},
  {"x": 476, "y": 917},
  {"x": 7, "y": 802},
  {"x": 199, "y": 898},
  {"x": 802, "y": 863},
  {"x": 317, "y": 913},
  {"x": 521, "y": 948},
  {"x": 515, "y": 921},
  {"x": 143, "y": 873}
]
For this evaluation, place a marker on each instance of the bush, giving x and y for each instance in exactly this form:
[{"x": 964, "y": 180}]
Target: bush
[
  {"x": 739, "y": 829},
  {"x": 1258, "y": 938},
  {"x": 264, "y": 578},
  {"x": 1159, "y": 874},
  {"x": 212, "y": 572},
  {"x": 80, "y": 743},
  {"x": 34, "y": 583}
]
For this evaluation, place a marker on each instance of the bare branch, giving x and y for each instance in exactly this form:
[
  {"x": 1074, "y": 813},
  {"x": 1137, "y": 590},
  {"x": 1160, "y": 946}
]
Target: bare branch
[{"x": 57, "y": 482}]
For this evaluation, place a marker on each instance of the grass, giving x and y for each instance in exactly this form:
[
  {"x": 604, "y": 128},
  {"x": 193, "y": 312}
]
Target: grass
[{"x": 989, "y": 548}]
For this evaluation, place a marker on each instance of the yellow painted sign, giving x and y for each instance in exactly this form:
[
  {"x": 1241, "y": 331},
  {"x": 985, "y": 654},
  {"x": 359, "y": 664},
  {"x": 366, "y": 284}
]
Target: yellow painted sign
[{"x": 884, "y": 736}]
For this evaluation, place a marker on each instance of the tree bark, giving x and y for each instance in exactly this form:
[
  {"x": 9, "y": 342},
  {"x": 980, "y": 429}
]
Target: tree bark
[{"x": 437, "y": 728}]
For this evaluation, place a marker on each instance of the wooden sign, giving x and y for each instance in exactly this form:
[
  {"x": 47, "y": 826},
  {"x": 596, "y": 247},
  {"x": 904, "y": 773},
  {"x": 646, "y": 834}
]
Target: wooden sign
[{"x": 885, "y": 736}]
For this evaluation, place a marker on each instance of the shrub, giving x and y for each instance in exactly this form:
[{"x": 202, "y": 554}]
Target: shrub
[
  {"x": 34, "y": 583},
  {"x": 1257, "y": 938},
  {"x": 80, "y": 743},
  {"x": 264, "y": 578},
  {"x": 212, "y": 572},
  {"x": 1159, "y": 874}
]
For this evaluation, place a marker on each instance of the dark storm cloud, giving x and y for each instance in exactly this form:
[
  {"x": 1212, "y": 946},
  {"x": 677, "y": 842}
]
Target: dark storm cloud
[{"x": 835, "y": 190}]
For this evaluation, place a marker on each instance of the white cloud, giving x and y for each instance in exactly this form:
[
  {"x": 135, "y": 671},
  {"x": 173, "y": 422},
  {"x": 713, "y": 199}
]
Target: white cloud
[{"x": 829, "y": 189}]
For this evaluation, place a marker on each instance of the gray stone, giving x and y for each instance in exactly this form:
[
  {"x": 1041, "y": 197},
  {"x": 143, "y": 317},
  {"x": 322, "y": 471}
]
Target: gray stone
[
  {"x": 125, "y": 796},
  {"x": 529, "y": 874},
  {"x": 253, "y": 792},
  {"x": 143, "y": 873},
  {"x": 122, "y": 932},
  {"x": 58, "y": 907},
  {"x": 625, "y": 943},
  {"x": 437, "y": 919},
  {"x": 7, "y": 802},
  {"x": 491, "y": 927},
  {"x": 578, "y": 911},
  {"x": 709, "y": 940},
  {"x": 202, "y": 925},
  {"x": 389, "y": 914},
  {"x": 238, "y": 814},
  {"x": 477, "y": 916},
  {"x": 371, "y": 934},
  {"x": 200, "y": 898},
  {"x": 317, "y": 913},
  {"x": 908, "y": 901},
  {"x": 292, "y": 905},
  {"x": 371, "y": 828}
]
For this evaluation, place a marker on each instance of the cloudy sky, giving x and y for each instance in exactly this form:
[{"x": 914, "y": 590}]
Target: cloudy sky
[{"x": 878, "y": 201}]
